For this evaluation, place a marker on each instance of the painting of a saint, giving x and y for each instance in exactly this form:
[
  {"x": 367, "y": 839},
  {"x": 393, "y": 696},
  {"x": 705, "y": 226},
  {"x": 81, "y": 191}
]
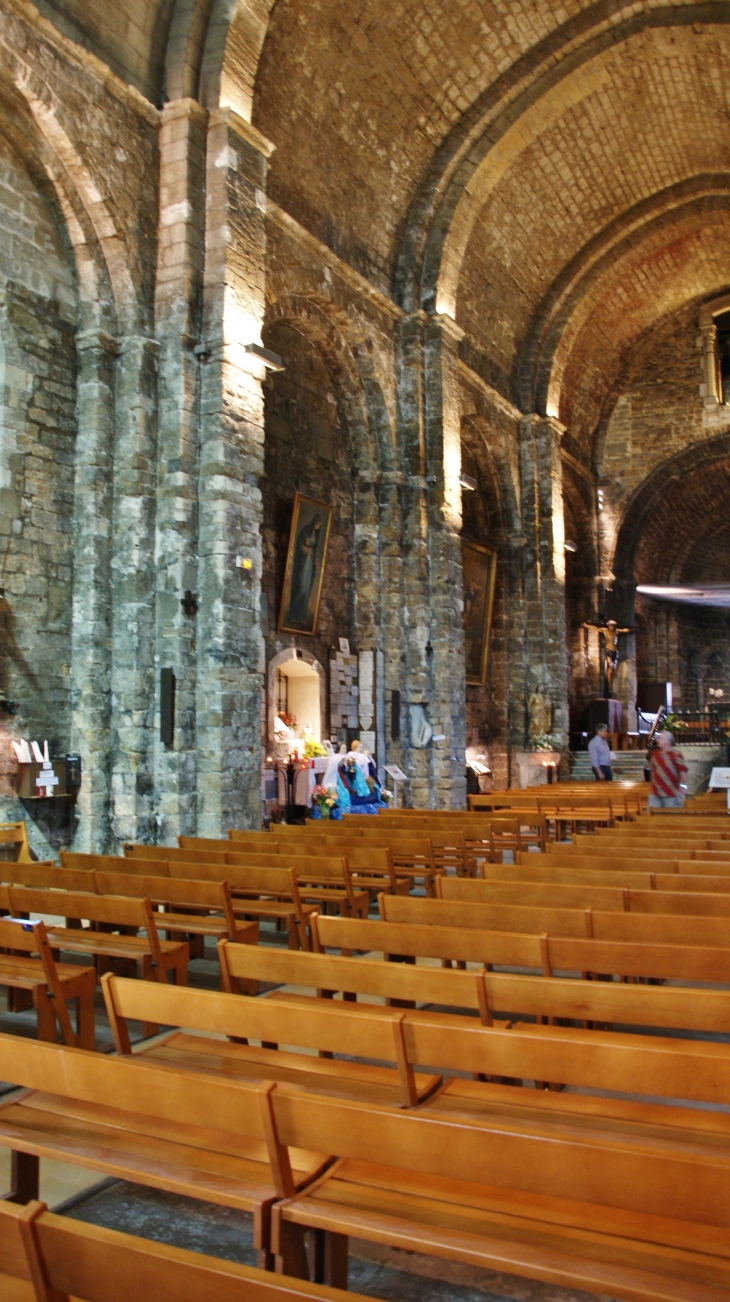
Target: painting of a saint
[
  {"x": 479, "y": 567},
  {"x": 308, "y": 539}
]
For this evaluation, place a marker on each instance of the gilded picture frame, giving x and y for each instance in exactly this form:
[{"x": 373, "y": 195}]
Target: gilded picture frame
[
  {"x": 305, "y": 566},
  {"x": 479, "y": 572}
]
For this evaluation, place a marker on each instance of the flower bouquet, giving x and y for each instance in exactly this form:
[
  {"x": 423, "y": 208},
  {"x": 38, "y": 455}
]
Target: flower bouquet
[
  {"x": 287, "y": 718},
  {"x": 324, "y": 800}
]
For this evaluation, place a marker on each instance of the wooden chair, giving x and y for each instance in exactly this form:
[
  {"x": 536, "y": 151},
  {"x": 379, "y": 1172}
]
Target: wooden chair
[
  {"x": 182, "y": 1131},
  {"x": 327, "y": 1028},
  {"x": 578, "y": 1208},
  {"x": 154, "y": 957},
  {"x": 44, "y": 1255},
  {"x": 27, "y": 964}
]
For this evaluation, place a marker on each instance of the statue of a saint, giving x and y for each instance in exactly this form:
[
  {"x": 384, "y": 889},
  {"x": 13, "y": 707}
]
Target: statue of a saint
[{"x": 541, "y": 716}]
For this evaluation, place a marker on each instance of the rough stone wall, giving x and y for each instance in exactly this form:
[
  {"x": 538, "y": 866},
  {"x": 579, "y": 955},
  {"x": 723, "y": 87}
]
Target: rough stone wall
[
  {"x": 306, "y": 450},
  {"x": 38, "y": 316}
]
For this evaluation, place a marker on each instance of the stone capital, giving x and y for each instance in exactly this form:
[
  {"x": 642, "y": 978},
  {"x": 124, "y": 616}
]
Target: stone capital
[
  {"x": 183, "y": 108},
  {"x": 451, "y": 331},
  {"x": 88, "y": 340}
]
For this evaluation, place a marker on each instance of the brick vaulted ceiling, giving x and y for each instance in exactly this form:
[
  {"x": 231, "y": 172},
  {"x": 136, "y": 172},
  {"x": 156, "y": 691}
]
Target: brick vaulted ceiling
[{"x": 554, "y": 176}]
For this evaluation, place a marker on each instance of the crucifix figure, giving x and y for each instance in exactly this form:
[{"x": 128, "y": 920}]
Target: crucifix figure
[{"x": 610, "y": 653}]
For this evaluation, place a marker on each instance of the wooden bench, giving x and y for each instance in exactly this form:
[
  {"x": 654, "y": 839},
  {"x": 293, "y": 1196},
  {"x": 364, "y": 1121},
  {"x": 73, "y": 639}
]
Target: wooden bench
[
  {"x": 325, "y": 1027},
  {"x": 258, "y": 893},
  {"x": 16, "y": 835},
  {"x": 589, "y": 895},
  {"x": 27, "y": 964},
  {"x": 575, "y": 1207},
  {"x": 154, "y": 957},
  {"x": 47, "y": 1256},
  {"x": 495, "y": 996},
  {"x": 667, "y": 928},
  {"x": 181, "y": 1131},
  {"x": 45, "y": 876},
  {"x": 211, "y": 904},
  {"x": 569, "y": 871},
  {"x": 538, "y": 952}
]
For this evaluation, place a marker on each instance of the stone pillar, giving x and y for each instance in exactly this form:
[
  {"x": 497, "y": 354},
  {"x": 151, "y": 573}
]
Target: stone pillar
[
  {"x": 709, "y": 363},
  {"x": 448, "y": 669},
  {"x": 392, "y": 614},
  {"x": 133, "y": 590},
  {"x": 178, "y": 324},
  {"x": 544, "y": 565},
  {"x": 91, "y": 615},
  {"x": 416, "y": 614},
  {"x": 229, "y": 644}
]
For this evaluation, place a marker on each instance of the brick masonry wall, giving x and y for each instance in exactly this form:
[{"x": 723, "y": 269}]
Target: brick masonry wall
[{"x": 37, "y": 439}]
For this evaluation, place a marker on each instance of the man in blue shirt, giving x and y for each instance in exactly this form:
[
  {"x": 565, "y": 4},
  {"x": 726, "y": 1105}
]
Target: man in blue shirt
[{"x": 600, "y": 753}]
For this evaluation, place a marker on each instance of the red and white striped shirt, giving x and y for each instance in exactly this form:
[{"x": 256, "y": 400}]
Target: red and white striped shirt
[{"x": 667, "y": 772}]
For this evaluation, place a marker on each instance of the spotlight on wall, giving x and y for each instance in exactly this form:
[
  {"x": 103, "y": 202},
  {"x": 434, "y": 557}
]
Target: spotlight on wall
[
  {"x": 271, "y": 361},
  {"x": 570, "y": 546},
  {"x": 466, "y": 481}
]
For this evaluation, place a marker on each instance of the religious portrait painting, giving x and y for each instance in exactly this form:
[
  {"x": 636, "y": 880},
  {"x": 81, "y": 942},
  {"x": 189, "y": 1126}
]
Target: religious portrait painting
[
  {"x": 479, "y": 569},
  {"x": 305, "y": 562}
]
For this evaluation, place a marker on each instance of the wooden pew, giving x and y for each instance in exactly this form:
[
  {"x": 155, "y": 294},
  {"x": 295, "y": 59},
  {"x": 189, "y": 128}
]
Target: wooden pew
[
  {"x": 495, "y": 996},
  {"x": 27, "y": 964},
  {"x": 214, "y": 915},
  {"x": 45, "y": 876},
  {"x": 585, "y": 895},
  {"x": 16, "y": 834},
  {"x": 44, "y": 1255},
  {"x": 154, "y": 957},
  {"x": 326, "y": 1027},
  {"x": 541, "y": 953},
  {"x": 663, "y": 929},
  {"x": 582, "y": 869},
  {"x": 258, "y": 893},
  {"x": 182, "y": 1131},
  {"x": 578, "y": 1208}
]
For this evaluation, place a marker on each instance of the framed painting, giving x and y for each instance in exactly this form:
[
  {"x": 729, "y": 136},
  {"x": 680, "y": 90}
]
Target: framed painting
[
  {"x": 305, "y": 562},
  {"x": 479, "y": 568}
]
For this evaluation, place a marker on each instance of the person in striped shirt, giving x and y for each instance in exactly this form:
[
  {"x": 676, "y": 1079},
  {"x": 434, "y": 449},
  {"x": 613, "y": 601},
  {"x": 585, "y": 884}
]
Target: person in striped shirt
[{"x": 668, "y": 772}]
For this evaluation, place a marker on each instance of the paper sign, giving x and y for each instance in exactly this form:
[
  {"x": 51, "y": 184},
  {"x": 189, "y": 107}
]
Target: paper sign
[
  {"x": 367, "y": 740},
  {"x": 397, "y": 774},
  {"x": 720, "y": 778}
]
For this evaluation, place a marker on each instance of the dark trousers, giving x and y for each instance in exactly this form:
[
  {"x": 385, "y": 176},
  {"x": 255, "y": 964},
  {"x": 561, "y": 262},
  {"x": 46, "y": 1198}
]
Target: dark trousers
[{"x": 607, "y": 772}]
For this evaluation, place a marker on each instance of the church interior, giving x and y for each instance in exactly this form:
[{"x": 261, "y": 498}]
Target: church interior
[{"x": 365, "y": 419}]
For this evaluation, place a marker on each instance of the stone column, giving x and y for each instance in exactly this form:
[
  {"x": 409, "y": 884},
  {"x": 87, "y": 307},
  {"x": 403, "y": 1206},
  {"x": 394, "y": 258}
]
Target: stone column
[
  {"x": 416, "y": 614},
  {"x": 448, "y": 669},
  {"x": 133, "y": 590},
  {"x": 178, "y": 325},
  {"x": 229, "y": 645},
  {"x": 544, "y": 565},
  {"x": 91, "y": 615},
  {"x": 709, "y": 339},
  {"x": 392, "y": 615}
]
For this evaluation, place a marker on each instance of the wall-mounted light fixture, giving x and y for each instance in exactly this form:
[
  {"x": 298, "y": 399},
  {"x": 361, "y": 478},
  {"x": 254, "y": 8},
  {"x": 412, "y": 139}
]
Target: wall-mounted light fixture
[
  {"x": 271, "y": 361},
  {"x": 570, "y": 546},
  {"x": 467, "y": 482}
]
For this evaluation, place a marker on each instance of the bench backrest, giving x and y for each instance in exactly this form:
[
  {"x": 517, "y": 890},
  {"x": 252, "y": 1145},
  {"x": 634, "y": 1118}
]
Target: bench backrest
[
  {"x": 16, "y": 834},
  {"x": 601, "y": 924},
  {"x": 489, "y": 993},
  {"x": 328, "y": 1027},
  {"x": 544, "y": 953},
  {"x": 79, "y": 1260},
  {"x": 277, "y": 883},
  {"x": 154, "y": 865},
  {"x": 46, "y": 876},
  {"x": 188, "y": 893},
  {"x": 571, "y": 872},
  {"x": 587, "y": 895},
  {"x": 593, "y": 1170},
  {"x": 181, "y": 1097}
]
